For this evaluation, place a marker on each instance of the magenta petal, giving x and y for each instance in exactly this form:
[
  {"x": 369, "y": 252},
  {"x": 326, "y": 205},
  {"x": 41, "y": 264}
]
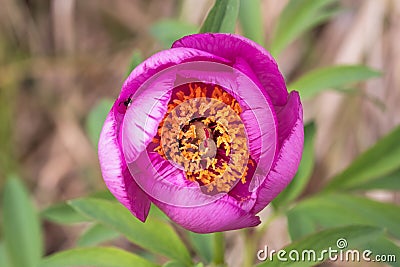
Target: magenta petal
[
  {"x": 221, "y": 215},
  {"x": 149, "y": 87},
  {"x": 164, "y": 182},
  {"x": 288, "y": 116},
  {"x": 143, "y": 117},
  {"x": 183, "y": 200},
  {"x": 112, "y": 161},
  {"x": 234, "y": 47},
  {"x": 291, "y": 128},
  {"x": 116, "y": 174},
  {"x": 159, "y": 62}
]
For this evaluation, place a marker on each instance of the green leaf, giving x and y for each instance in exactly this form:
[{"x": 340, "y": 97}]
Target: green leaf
[
  {"x": 63, "y": 213},
  {"x": 97, "y": 256},
  {"x": 96, "y": 118},
  {"x": 222, "y": 17},
  {"x": 173, "y": 264},
  {"x": 384, "y": 246},
  {"x": 388, "y": 182},
  {"x": 154, "y": 235},
  {"x": 4, "y": 260},
  {"x": 136, "y": 59},
  {"x": 334, "y": 77},
  {"x": 21, "y": 226},
  {"x": 298, "y": 17},
  {"x": 97, "y": 234},
  {"x": 332, "y": 210},
  {"x": 355, "y": 235},
  {"x": 380, "y": 160},
  {"x": 303, "y": 175},
  {"x": 251, "y": 20},
  {"x": 300, "y": 225},
  {"x": 168, "y": 31},
  {"x": 178, "y": 264},
  {"x": 203, "y": 244}
]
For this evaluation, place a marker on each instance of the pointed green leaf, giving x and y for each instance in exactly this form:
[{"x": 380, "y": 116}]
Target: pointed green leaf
[
  {"x": 251, "y": 20},
  {"x": 97, "y": 234},
  {"x": 99, "y": 257},
  {"x": 21, "y": 226},
  {"x": 303, "y": 175},
  {"x": 332, "y": 210},
  {"x": 96, "y": 118},
  {"x": 154, "y": 235},
  {"x": 334, "y": 77},
  {"x": 168, "y": 31},
  {"x": 63, "y": 213},
  {"x": 380, "y": 160},
  {"x": 222, "y": 17},
  {"x": 355, "y": 235},
  {"x": 298, "y": 17},
  {"x": 387, "y": 182}
]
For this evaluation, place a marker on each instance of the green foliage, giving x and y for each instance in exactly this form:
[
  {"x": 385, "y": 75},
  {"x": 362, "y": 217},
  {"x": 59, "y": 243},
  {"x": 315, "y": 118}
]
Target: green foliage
[
  {"x": 62, "y": 213},
  {"x": 383, "y": 246},
  {"x": 251, "y": 21},
  {"x": 21, "y": 226},
  {"x": 203, "y": 245},
  {"x": 355, "y": 235},
  {"x": 380, "y": 160},
  {"x": 332, "y": 210},
  {"x": 300, "y": 225},
  {"x": 173, "y": 264},
  {"x": 303, "y": 175},
  {"x": 222, "y": 17},
  {"x": 168, "y": 31},
  {"x": 154, "y": 235},
  {"x": 298, "y": 17},
  {"x": 4, "y": 259},
  {"x": 96, "y": 234},
  {"x": 334, "y": 77},
  {"x": 96, "y": 118},
  {"x": 386, "y": 182},
  {"x": 99, "y": 257}
]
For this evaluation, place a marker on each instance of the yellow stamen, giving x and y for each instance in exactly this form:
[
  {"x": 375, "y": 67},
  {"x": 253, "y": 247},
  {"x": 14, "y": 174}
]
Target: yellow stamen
[{"x": 195, "y": 128}]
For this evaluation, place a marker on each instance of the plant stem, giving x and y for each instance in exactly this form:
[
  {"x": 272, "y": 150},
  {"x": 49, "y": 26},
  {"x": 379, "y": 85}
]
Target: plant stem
[
  {"x": 219, "y": 248},
  {"x": 250, "y": 246}
]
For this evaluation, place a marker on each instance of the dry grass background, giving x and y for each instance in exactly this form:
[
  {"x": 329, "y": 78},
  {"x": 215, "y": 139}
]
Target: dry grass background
[{"x": 59, "y": 57}]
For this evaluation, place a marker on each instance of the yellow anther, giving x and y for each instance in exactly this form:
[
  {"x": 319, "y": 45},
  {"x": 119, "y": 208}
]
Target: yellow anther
[{"x": 211, "y": 149}]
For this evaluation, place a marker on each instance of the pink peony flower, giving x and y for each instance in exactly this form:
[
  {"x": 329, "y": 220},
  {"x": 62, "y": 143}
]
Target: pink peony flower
[{"x": 206, "y": 131}]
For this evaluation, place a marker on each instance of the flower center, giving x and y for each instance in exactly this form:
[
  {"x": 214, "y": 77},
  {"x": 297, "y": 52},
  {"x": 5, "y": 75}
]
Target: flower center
[{"x": 203, "y": 134}]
